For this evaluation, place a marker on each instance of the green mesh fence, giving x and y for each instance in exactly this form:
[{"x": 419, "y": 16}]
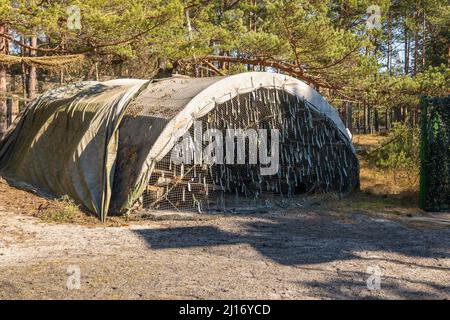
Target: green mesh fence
[{"x": 435, "y": 154}]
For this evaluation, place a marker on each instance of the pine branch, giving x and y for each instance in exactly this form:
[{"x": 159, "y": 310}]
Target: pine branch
[{"x": 288, "y": 68}]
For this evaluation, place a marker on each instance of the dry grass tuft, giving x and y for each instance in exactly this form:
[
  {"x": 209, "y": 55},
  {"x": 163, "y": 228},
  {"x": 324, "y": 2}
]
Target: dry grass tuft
[
  {"x": 63, "y": 210},
  {"x": 380, "y": 182}
]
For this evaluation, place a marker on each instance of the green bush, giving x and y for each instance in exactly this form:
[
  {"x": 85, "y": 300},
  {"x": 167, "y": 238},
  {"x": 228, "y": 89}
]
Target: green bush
[{"x": 399, "y": 152}]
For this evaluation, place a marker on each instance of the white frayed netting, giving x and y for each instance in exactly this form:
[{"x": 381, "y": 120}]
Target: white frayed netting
[{"x": 313, "y": 157}]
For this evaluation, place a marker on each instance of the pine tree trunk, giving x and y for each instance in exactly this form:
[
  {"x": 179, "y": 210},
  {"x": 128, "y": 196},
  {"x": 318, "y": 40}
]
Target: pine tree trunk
[
  {"x": 389, "y": 50},
  {"x": 358, "y": 123},
  {"x": 424, "y": 41},
  {"x": 406, "y": 44},
  {"x": 23, "y": 53},
  {"x": 397, "y": 114},
  {"x": 365, "y": 118},
  {"x": 97, "y": 77},
  {"x": 386, "y": 118},
  {"x": 3, "y": 67},
  {"x": 416, "y": 44},
  {"x": 376, "y": 121},
  {"x": 349, "y": 116},
  {"x": 448, "y": 62},
  {"x": 32, "y": 77}
]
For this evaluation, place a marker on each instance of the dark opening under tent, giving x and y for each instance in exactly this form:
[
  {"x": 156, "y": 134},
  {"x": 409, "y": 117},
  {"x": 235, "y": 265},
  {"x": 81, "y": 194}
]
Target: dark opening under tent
[{"x": 108, "y": 145}]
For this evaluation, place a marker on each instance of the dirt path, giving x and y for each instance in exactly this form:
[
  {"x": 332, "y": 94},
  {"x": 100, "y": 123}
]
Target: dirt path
[
  {"x": 326, "y": 249},
  {"x": 306, "y": 253}
]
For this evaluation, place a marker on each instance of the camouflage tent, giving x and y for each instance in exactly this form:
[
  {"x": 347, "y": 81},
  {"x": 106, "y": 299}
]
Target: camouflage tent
[{"x": 105, "y": 144}]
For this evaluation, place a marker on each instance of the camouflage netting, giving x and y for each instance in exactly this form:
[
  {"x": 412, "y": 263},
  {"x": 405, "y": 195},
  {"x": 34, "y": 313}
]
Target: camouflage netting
[
  {"x": 435, "y": 154},
  {"x": 108, "y": 145},
  {"x": 47, "y": 62}
]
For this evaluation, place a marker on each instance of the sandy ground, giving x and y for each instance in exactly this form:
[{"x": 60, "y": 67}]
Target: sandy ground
[{"x": 314, "y": 252}]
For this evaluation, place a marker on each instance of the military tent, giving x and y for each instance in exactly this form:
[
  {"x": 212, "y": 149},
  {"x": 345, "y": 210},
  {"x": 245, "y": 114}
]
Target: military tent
[{"x": 109, "y": 145}]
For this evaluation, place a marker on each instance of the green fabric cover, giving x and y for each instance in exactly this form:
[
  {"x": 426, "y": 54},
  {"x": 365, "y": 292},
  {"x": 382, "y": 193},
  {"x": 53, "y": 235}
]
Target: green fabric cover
[{"x": 65, "y": 143}]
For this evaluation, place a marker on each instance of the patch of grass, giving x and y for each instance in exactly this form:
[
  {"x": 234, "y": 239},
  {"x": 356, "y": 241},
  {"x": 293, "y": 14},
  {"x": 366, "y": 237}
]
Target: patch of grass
[
  {"x": 400, "y": 206},
  {"x": 367, "y": 141},
  {"x": 63, "y": 210},
  {"x": 403, "y": 184}
]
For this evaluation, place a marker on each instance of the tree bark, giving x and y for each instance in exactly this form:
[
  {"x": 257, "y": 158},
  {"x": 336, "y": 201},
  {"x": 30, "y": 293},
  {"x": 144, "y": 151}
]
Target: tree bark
[
  {"x": 406, "y": 45},
  {"x": 376, "y": 121},
  {"x": 398, "y": 114},
  {"x": 32, "y": 76},
  {"x": 23, "y": 53},
  {"x": 358, "y": 123},
  {"x": 416, "y": 43},
  {"x": 349, "y": 116},
  {"x": 387, "y": 127},
  {"x": 366, "y": 117},
  {"x": 61, "y": 77},
  {"x": 3, "y": 105},
  {"x": 389, "y": 50},
  {"x": 13, "y": 109},
  {"x": 369, "y": 118},
  {"x": 424, "y": 41},
  {"x": 448, "y": 55}
]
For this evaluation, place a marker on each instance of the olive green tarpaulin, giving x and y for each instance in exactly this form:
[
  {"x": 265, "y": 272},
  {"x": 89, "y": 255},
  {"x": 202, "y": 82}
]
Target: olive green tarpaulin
[
  {"x": 435, "y": 154},
  {"x": 65, "y": 142}
]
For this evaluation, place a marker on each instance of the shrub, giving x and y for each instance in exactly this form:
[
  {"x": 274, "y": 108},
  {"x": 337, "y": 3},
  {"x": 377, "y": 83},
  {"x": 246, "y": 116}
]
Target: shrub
[{"x": 399, "y": 153}]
